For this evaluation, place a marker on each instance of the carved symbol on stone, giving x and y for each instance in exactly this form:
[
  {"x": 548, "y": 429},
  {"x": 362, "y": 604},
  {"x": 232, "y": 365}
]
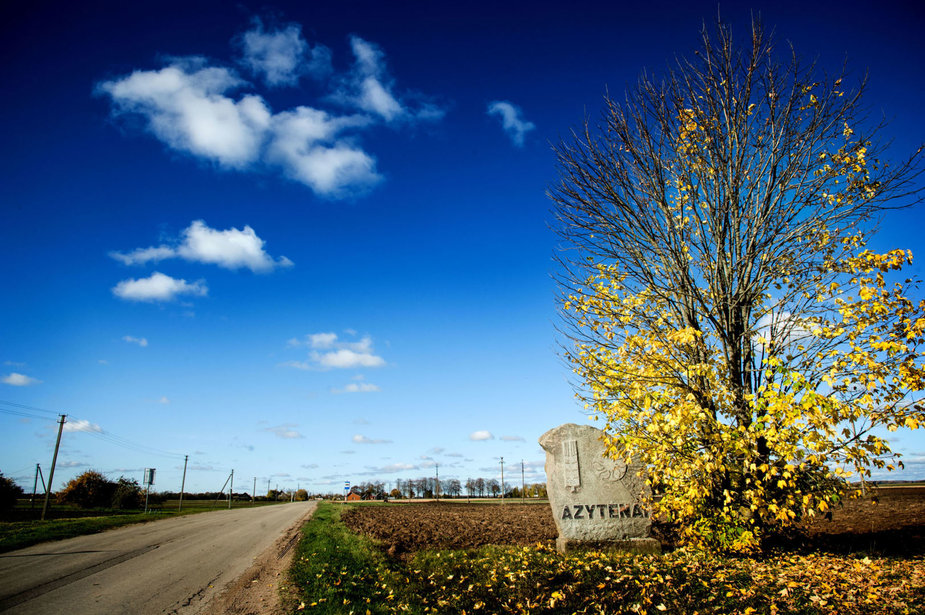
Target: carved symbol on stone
[
  {"x": 570, "y": 473},
  {"x": 607, "y": 469}
]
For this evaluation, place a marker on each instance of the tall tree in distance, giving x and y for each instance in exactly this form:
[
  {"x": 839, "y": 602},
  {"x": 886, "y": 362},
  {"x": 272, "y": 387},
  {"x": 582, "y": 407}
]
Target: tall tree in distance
[{"x": 724, "y": 316}]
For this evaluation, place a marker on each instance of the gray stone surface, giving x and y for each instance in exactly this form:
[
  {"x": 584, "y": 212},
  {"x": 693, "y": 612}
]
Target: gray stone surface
[{"x": 595, "y": 500}]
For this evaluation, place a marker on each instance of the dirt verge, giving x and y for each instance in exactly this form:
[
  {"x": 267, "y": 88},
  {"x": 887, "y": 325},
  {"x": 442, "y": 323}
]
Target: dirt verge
[{"x": 258, "y": 590}]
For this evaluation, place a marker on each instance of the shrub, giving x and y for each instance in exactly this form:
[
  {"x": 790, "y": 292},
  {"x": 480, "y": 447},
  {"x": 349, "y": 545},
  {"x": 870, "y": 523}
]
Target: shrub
[
  {"x": 127, "y": 494},
  {"x": 9, "y": 491},
  {"x": 89, "y": 490}
]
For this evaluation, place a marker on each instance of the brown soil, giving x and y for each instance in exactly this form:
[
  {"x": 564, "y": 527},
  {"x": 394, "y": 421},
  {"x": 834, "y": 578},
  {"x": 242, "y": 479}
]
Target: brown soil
[
  {"x": 891, "y": 521},
  {"x": 405, "y": 528}
]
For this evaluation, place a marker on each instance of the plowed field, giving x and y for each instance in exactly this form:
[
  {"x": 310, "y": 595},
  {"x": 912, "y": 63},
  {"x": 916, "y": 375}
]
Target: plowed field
[
  {"x": 890, "y": 522},
  {"x": 405, "y": 528}
]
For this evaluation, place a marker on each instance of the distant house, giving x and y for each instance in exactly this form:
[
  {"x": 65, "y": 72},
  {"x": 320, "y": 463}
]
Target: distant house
[{"x": 353, "y": 497}]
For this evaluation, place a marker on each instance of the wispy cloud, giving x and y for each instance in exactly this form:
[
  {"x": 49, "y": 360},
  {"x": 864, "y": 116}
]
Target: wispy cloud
[
  {"x": 478, "y": 436},
  {"x": 512, "y": 120},
  {"x": 141, "y": 341},
  {"x": 194, "y": 106},
  {"x": 281, "y": 57},
  {"x": 82, "y": 425},
  {"x": 358, "y": 387},
  {"x": 163, "y": 400},
  {"x": 513, "y": 439},
  {"x": 285, "y": 431},
  {"x": 359, "y": 439},
  {"x": 19, "y": 380},
  {"x": 329, "y": 352},
  {"x": 231, "y": 249},
  {"x": 391, "y": 468},
  {"x": 346, "y": 358},
  {"x": 158, "y": 287}
]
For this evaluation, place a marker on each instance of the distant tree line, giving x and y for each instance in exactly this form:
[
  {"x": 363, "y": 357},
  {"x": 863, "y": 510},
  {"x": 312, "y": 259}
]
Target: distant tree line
[{"x": 429, "y": 487}]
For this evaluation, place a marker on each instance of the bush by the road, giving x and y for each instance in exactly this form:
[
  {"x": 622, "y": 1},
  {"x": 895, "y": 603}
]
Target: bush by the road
[
  {"x": 93, "y": 490},
  {"x": 9, "y": 491}
]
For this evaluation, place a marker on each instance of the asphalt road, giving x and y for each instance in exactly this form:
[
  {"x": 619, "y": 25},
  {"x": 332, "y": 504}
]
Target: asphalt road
[{"x": 171, "y": 566}]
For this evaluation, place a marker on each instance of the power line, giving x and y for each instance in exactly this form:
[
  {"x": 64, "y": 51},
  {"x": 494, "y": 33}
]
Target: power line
[
  {"x": 25, "y": 407},
  {"x": 128, "y": 444},
  {"x": 25, "y": 414},
  {"x": 100, "y": 433}
]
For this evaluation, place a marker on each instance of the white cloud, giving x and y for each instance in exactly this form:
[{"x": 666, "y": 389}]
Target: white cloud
[
  {"x": 322, "y": 340},
  {"x": 306, "y": 146},
  {"x": 144, "y": 255},
  {"x": 369, "y": 86},
  {"x": 158, "y": 287},
  {"x": 193, "y": 107},
  {"x": 163, "y": 400},
  {"x": 141, "y": 341},
  {"x": 285, "y": 431},
  {"x": 512, "y": 120},
  {"x": 303, "y": 365},
  {"x": 329, "y": 352},
  {"x": 82, "y": 425},
  {"x": 394, "y": 467},
  {"x": 358, "y": 387},
  {"x": 481, "y": 435},
  {"x": 347, "y": 359},
  {"x": 281, "y": 57},
  {"x": 364, "y": 440},
  {"x": 231, "y": 249},
  {"x": 186, "y": 108},
  {"x": 19, "y": 380}
]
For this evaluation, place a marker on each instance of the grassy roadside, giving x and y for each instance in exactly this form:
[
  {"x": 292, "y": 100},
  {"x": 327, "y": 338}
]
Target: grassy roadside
[
  {"x": 20, "y": 534},
  {"x": 337, "y": 571}
]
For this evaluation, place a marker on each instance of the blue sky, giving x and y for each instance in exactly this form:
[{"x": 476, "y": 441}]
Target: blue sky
[{"x": 309, "y": 241}]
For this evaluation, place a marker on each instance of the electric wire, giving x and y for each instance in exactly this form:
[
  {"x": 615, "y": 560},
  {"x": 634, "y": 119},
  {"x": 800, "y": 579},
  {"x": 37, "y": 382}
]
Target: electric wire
[
  {"x": 26, "y": 415},
  {"x": 25, "y": 407},
  {"x": 89, "y": 428}
]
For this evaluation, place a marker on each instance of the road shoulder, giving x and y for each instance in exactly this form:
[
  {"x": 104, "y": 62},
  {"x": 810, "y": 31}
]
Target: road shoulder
[{"x": 257, "y": 591}]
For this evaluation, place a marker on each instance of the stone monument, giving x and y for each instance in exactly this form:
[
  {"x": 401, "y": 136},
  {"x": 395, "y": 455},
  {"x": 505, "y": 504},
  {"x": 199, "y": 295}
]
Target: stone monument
[{"x": 596, "y": 501}]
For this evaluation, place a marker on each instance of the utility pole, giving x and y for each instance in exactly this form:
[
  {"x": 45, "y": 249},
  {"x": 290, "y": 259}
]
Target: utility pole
[
  {"x": 254, "y": 492},
  {"x": 268, "y": 488},
  {"x": 437, "y": 470},
  {"x": 230, "y": 489},
  {"x": 54, "y": 459},
  {"x": 34, "y": 486},
  {"x": 183, "y": 483},
  {"x": 502, "y": 480},
  {"x": 523, "y": 485}
]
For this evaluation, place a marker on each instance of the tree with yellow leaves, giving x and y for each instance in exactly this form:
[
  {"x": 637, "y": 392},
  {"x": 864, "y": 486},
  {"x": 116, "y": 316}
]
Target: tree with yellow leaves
[{"x": 724, "y": 316}]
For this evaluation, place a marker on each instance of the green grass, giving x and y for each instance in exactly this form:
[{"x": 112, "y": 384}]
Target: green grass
[
  {"x": 64, "y": 521},
  {"x": 19, "y": 534},
  {"x": 336, "y": 571}
]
